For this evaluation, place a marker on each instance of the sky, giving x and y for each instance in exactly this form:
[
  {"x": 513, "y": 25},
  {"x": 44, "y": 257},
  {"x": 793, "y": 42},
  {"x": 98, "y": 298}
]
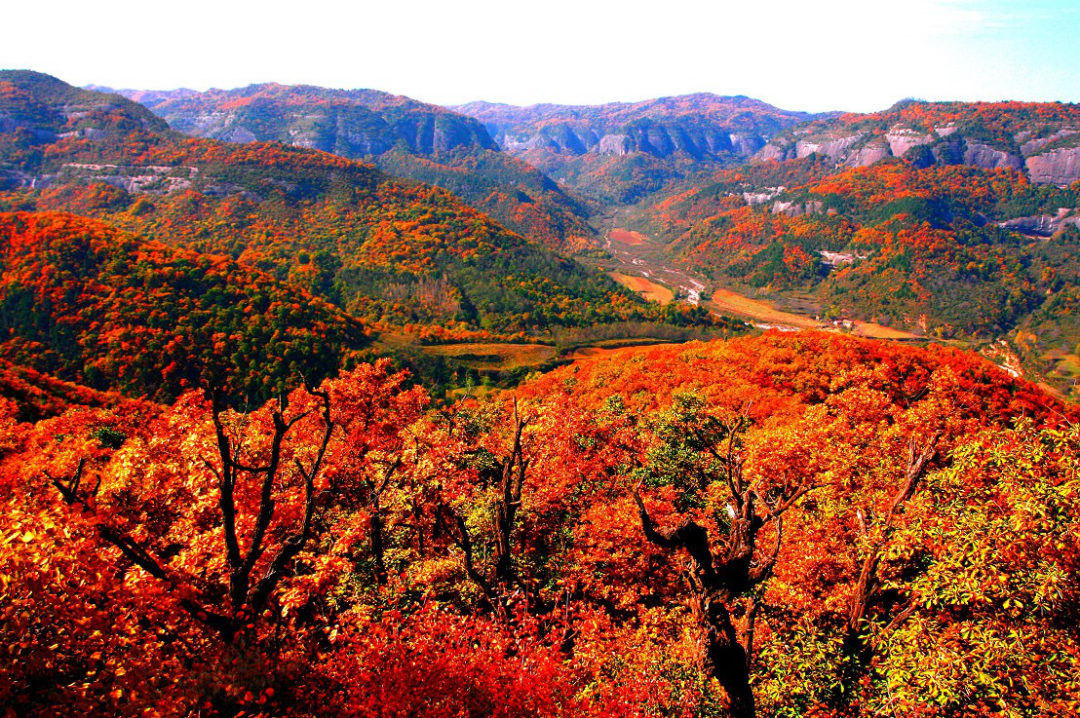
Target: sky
[{"x": 812, "y": 55}]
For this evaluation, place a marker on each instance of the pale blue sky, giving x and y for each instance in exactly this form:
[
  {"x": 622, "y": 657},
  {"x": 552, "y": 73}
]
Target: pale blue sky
[{"x": 857, "y": 55}]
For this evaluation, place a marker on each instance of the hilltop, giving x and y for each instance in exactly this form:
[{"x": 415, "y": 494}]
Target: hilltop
[
  {"x": 407, "y": 138},
  {"x": 622, "y": 151},
  {"x": 1040, "y": 139}
]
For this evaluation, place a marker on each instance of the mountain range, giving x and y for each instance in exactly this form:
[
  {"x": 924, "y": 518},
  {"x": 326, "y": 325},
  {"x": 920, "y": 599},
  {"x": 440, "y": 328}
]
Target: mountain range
[
  {"x": 406, "y": 138},
  {"x": 951, "y": 220},
  {"x": 622, "y": 151},
  {"x": 398, "y": 255},
  {"x": 326, "y": 402}
]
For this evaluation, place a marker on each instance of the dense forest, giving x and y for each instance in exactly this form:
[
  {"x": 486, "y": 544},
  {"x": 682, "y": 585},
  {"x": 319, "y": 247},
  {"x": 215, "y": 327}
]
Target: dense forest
[
  {"x": 284, "y": 433},
  {"x": 839, "y": 528}
]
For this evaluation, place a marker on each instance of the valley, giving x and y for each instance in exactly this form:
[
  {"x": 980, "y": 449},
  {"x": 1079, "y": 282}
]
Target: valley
[
  {"x": 641, "y": 264},
  {"x": 318, "y": 402}
]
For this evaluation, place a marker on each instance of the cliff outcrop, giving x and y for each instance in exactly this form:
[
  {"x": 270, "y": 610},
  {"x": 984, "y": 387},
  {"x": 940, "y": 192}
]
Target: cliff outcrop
[{"x": 1042, "y": 139}]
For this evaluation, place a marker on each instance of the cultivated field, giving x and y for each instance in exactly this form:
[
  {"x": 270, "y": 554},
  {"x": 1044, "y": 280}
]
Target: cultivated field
[
  {"x": 645, "y": 287},
  {"x": 492, "y": 356},
  {"x": 758, "y": 311},
  {"x": 726, "y": 301},
  {"x": 627, "y": 237}
]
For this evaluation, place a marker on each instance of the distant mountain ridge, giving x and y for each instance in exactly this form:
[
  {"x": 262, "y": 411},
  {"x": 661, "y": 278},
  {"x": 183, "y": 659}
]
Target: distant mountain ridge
[
  {"x": 350, "y": 123},
  {"x": 391, "y": 252},
  {"x": 620, "y": 151},
  {"x": 700, "y": 123},
  {"x": 1041, "y": 139},
  {"x": 405, "y": 137}
]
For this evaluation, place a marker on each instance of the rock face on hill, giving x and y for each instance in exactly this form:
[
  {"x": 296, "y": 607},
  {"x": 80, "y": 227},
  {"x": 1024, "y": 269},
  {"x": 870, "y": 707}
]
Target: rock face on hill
[
  {"x": 402, "y": 136},
  {"x": 620, "y": 151},
  {"x": 1041, "y": 138},
  {"x": 701, "y": 126},
  {"x": 350, "y": 123},
  {"x": 1058, "y": 167}
]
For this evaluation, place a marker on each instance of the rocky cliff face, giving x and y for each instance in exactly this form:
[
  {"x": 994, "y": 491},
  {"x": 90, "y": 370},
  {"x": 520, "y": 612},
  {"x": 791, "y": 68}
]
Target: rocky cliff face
[
  {"x": 699, "y": 126},
  {"x": 985, "y": 157},
  {"x": 1043, "y": 225},
  {"x": 1060, "y": 167},
  {"x": 357, "y": 123},
  {"x": 1043, "y": 139}
]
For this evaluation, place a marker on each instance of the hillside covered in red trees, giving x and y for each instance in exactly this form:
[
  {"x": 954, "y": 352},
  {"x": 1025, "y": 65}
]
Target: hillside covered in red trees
[
  {"x": 941, "y": 250},
  {"x": 404, "y": 137},
  {"x": 390, "y": 252},
  {"x": 285, "y": 434},
  {"x": 80, "y": 300},
  {"x": 840, "y": 527}
]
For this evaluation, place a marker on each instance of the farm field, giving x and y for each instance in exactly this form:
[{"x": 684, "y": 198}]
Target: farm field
[
  {"x": 726, "y": 301},
  {"x": 627, "y": 237},
  {"x": 493, "y": 356},
  {"x": 647, "y": 288}
]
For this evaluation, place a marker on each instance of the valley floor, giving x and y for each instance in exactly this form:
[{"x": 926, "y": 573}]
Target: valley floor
[{"x": 637, "y": 261}]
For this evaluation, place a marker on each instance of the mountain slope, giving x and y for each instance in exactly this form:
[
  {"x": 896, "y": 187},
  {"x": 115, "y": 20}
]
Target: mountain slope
[
  {"x": 48, "y": 108},
  {"x": 1040, "y": 139},
  {"x": 87, "y": 303},
  {"x": 620, "y": 151},
  {"x": 948, "y": 251},
  {"x": 37, "y": 395},
  {"x": 407, "y": 138},
  {"x": 391, "y": 252}
]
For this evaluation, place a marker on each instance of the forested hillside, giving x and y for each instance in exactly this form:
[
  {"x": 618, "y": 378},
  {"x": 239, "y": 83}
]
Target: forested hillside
[
  {"x": 839, "y": 528},
  {"x": 939, "y": 243},
  {"x": 88, "y": 303},
  {"x": 390, "y": 252},
  {"x": 406, "y": 138}
]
